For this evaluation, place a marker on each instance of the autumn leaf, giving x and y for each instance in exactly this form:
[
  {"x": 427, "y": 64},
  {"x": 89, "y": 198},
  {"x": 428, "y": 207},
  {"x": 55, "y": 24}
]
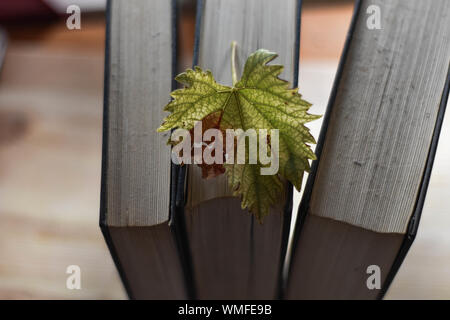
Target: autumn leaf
[
  {"x": 210, "y": 170},
  {"x": 259, "y": 100}
]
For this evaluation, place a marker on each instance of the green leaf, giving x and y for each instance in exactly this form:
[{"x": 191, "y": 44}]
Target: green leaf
[
  {"x": 201, "y": 97},
  {"x": 258, "y": 191},
  {"x": 259, "y": 100}
]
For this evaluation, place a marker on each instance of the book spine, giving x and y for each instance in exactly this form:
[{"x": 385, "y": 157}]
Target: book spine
[
  {"x": 104, "y": 169},
  {"x": 304, "y": 203},
  {"x": 413, "y": 224}
]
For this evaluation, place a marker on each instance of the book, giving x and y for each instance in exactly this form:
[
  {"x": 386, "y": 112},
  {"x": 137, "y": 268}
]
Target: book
[
  {"x": 233, "y": 255},
  {"x": 137, "y": 214},
  {"x": 361, "y": 207}
]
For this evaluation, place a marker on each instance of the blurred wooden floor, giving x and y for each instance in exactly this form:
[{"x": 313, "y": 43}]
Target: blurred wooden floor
[
  {"x": 51, "y": 95},
  {"x": 50, "y": 159}
]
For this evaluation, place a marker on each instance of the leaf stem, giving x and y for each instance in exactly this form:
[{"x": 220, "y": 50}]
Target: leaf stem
[{"x": 233, "y": 62}]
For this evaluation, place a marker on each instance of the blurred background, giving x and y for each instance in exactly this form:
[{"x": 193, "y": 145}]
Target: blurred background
[{"x": 51, "y": 100}]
